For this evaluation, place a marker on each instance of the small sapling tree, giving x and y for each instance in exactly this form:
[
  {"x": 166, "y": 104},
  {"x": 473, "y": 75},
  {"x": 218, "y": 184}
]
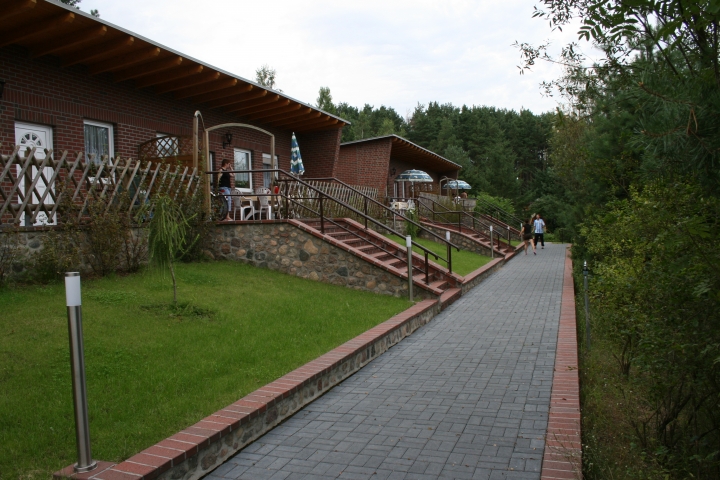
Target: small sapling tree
[{"x": 168, "y": 236}]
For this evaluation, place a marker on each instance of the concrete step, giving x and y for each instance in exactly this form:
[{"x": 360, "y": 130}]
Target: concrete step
[{"x": 439, "y": 284}]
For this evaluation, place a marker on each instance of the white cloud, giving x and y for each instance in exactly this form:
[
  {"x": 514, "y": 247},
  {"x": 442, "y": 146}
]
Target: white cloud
[{"x": 394, "y": 53}]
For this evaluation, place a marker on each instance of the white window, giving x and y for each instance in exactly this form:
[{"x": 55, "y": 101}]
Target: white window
[
  {"x": 98, "y": 140},
  {"x": 267, "y": 165},
  {"x": 169, "y": 146},
  {"x": 243, "y": 161}
]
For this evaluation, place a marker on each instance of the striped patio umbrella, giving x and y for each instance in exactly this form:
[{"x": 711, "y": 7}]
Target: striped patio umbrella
[
  {"x": 296, "y": 164},
  {"x": 457, "y": 185},
  {"x": 414, "y": 176}
]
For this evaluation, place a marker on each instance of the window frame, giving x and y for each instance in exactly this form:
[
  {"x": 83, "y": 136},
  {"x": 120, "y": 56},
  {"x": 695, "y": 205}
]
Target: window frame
[
  {"x": 248, "y": 189},
  {"x": 111, "y": 136},
  {"x": 267, "y": 176}
]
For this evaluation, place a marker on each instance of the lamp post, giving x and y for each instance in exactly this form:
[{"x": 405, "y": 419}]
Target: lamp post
[{"x": 77, "y": 363}]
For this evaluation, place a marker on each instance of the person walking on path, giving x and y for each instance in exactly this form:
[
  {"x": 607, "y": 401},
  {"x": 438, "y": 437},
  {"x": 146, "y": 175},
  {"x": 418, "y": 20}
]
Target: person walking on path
[
  {"x": 539, "y": 226},
  {"x": 526, "y": 233}
]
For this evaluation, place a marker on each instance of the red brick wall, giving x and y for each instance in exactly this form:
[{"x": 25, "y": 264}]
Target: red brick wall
[
  {"x": 365, "y": 164},
  {"x": 319, "y": 152},
  {"x": 39, "y": 91}
]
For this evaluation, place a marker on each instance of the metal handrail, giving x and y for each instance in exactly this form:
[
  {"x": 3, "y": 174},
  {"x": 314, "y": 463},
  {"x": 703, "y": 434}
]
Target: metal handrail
[
  {"x": 459, "y": 223},
  {"x": 413, "y": 267},
  {"x": 344, "y": 205},
  {"x": 500, "y": 211},
  {"x": 390, "y": 210}
]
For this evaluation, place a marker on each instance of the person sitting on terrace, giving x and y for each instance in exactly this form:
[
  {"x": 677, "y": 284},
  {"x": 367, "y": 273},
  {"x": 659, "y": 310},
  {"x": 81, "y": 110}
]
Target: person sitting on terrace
[{"x": 225, "y": 186}]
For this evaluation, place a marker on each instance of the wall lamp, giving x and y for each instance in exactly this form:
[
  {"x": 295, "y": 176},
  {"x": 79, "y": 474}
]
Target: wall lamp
[
  {"x": 392, "y": 172},
  {"x": 2, "y": 87},
  {"x": 228, "y": 140}
]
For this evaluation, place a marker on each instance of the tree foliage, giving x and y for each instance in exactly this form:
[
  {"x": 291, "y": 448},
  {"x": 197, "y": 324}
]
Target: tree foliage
[
  {"x": 635, "y": 152},
  {"x": 265, "y": 76},
  {"x": 168, "y": 238}
]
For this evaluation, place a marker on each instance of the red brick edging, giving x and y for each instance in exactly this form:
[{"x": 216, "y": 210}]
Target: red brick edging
[
  {"x": 562, "y": 458},
  {"x": 197, "y": 450}
]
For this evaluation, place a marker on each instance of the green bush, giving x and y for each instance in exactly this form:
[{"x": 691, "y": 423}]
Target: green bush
[{"x": 656, "y": 297}]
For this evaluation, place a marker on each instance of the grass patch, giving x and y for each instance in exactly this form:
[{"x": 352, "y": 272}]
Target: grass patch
[
  {"x": 154, "y": 369},
  {"x": 463, "y": 262}
]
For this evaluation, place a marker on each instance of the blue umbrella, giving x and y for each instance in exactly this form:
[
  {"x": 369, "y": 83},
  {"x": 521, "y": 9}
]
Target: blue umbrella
[
  {"x": 414, "y": 176},
  {"x": 296, "y": 164},
  {"x": 457, "y": 185}
]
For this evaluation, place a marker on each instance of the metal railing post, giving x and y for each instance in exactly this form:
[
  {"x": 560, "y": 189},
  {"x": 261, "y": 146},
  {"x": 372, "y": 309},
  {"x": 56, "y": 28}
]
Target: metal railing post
[
  {"x": 492, "y": 249},
  {"x": 73, "y": 297},
  {"x": 408, "y": 244},
  {"x": 366, "y": 214},
  {"x": 322, "y": 215},
  {"x": 587, "y": 306},
  {"x": 449, "y": 250}
]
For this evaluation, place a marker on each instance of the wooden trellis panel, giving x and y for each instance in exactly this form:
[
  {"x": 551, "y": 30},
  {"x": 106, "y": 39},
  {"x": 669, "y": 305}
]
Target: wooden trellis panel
[{"x": 25, "y": 189}]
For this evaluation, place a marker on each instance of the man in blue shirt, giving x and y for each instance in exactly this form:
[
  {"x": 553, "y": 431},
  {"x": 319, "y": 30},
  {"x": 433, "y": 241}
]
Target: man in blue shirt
[{"x": 539, "y": 226}]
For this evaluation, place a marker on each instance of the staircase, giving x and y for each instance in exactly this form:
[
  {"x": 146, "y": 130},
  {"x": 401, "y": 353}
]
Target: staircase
[
  {"x": 500, "y": 247},
  {"x": 384, "y": 253}
]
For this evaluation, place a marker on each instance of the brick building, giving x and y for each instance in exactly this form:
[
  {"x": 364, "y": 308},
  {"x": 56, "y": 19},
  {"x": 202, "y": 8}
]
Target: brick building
[
  {"x": 377, "y": 161},
  {"x": 75, "y": 82}
]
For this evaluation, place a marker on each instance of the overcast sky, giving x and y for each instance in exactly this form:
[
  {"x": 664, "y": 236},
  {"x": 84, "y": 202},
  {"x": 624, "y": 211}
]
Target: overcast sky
[{"x": 396, "y": 53}]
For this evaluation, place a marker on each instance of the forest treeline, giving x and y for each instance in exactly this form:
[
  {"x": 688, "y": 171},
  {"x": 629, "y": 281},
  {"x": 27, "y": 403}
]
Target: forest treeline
[{"x": 504, "y": 153}]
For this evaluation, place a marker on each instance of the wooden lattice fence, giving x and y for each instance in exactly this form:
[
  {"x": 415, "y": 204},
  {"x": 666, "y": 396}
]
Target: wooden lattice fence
[
  {"x": 38, "y": 191},
  {"x": 308, "y": 197}
]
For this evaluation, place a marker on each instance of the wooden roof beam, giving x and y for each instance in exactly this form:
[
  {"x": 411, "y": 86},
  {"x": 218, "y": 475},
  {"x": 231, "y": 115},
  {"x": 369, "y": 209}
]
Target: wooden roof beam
[
  {"x": 260, "y": 108},
  {"x": 99, "y": 51},
  {"x": 17, "y": 8},
  {"x": 288, "y": 121},
  {"x": 117, "y": 63},
  {"x": 313, "y": 125},
  {"x": 147, "y": 69},
  {"x": 174, "y": 85},
  {"x": 210, "y": 87},
  {"x": 259, "y": 103},
  {"x": 238, "y": 99},
  {"x": 291, "y": 111},
  {"x": 163, "y": 77},
  {"x": 73, "y": 41},
  {"x": 217, "y": 95},
  {"x": 37, "y": 29}
]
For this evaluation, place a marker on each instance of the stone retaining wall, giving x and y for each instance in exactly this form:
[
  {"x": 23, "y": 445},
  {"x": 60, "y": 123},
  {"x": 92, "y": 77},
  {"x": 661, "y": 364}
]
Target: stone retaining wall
[{"x": 284, "y": 247}]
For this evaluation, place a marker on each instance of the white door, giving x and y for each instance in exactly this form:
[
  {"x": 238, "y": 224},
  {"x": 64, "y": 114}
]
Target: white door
[{"x": 39, "y": 136}]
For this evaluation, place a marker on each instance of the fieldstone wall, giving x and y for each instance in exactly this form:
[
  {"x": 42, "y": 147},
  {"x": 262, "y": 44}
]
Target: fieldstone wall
[
  {"x": 19, "y": 249},
  {"x": 286, "y": 248}
]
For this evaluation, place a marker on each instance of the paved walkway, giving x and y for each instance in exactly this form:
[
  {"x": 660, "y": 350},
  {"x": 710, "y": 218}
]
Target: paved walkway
[{"x": 466, "y": 396}]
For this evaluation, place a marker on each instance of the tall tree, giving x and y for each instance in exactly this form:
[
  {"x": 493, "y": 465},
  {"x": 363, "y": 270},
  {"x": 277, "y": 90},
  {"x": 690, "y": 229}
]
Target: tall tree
[{"x": 265, "y": 76}]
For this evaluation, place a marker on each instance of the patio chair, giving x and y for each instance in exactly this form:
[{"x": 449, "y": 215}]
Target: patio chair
[
  {"x": 245, "y": 206},
  {"x": 264, "y": 200}
]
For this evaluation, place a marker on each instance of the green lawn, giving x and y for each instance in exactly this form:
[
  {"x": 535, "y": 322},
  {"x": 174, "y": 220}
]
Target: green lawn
[
  {"x": 151, "y": 370},
  {"x": 463, "y": 262}
]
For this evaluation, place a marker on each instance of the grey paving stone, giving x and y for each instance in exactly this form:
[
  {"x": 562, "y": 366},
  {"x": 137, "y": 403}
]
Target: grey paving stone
[{"x": 470, "y": 388}]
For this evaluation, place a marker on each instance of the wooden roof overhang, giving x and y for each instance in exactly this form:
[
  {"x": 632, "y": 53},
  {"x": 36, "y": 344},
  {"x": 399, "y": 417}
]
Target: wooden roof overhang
[
  {"x": 415, "y": 155},
  {"x": 47, "y": 27}
]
